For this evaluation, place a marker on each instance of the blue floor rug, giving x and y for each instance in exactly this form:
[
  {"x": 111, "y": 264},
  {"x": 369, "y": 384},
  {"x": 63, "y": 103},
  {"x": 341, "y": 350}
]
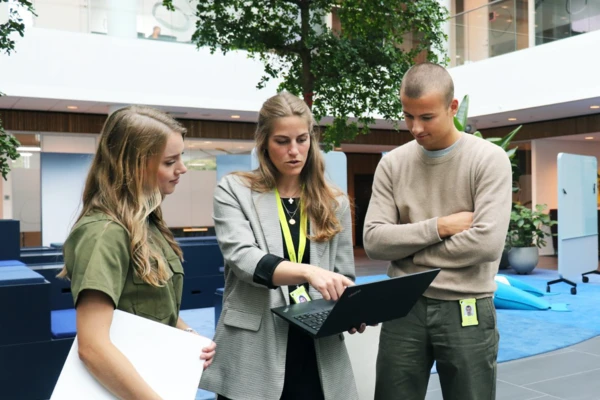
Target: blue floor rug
[
  {"x": 522, "y": 333},
  {"x": 527, "y": 333}
]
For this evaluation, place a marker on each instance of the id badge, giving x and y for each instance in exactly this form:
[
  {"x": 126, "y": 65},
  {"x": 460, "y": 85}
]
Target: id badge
[
  {"x": 468, "y": 312},
  {"x": 300, "y": 295}
]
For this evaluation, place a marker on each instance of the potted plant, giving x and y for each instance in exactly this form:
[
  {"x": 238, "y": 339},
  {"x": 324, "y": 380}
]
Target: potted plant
[{"x": 526, "y": 235}]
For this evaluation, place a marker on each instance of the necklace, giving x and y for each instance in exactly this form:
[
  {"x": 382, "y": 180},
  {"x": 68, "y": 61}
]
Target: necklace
[
  {"x": 291, "y": 215},
  {"x": 291, "y": 199}
]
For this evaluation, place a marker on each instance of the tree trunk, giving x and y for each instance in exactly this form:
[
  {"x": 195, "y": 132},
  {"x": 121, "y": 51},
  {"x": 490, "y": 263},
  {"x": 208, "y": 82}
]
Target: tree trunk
[{"x": 307, "y": 76}]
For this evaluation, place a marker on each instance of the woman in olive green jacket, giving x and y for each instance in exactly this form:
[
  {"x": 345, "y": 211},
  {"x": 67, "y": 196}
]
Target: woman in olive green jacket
[{"x": 120, "y": 253}]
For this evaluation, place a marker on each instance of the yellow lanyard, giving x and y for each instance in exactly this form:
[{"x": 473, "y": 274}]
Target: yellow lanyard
[{"x": 287, "y": 235}]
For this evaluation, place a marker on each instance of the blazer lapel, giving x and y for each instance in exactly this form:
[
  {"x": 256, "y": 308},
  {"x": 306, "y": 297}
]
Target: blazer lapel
[
  {"x": 266, "y": 208},
  {"x": 316, "y": 250}
]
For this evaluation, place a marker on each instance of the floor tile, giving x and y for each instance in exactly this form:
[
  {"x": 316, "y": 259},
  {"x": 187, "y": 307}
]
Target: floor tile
[
  {"x": 591, "y": 346},
  {"x": 536, "y": 369},
  {"x": 580, "y": 386}
]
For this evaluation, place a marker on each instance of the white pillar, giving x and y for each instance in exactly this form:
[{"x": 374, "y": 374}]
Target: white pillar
[
  {"x": 122, "y": 18},
  {"x": 531, "y": 23},
  {"x": 476, "y": 31},
  {"x": 447, "y": 29}
]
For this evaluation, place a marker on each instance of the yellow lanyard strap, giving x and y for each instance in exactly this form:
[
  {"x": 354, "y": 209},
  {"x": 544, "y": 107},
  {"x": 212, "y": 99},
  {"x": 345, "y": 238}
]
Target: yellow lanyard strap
[{"x": 287, "y": 235}]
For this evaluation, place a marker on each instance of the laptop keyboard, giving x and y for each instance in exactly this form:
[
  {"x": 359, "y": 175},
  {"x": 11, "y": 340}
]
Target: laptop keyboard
[{"x": 313, "y": 320}]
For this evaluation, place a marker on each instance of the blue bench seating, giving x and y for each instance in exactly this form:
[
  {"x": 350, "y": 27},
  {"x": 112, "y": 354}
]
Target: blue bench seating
[{"x": 63, "y": 323}]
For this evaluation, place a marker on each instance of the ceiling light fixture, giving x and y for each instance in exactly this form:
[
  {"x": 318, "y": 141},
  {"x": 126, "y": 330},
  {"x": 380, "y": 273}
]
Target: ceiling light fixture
[
  {"x": 29, "y": 149},
  {"x": 589, "y": 138},
  {"x": 512, "y": 119},
  {"x": 207, "y": 142},
  {"x": 72, "y": 107},
  {"x": 594, "y": 107},
  {"x": 235, "y": 117}
]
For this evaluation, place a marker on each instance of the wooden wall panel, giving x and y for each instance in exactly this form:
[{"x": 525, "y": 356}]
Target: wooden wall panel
[
  {"x": 42, "y": 121},
  {"x": 359, "y": 164},
  {"x": 548, "y": 129}
]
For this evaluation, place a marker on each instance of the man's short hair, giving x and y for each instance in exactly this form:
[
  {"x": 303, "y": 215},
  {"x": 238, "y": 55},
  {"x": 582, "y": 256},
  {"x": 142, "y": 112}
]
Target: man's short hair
[{"x": 423, "y": 78}]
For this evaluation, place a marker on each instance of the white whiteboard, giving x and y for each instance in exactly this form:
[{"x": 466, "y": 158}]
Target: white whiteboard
[{"x": 577, "y": 214}]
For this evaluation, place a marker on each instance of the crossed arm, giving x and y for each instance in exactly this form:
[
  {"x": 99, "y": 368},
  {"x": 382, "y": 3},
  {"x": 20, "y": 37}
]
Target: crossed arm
[{"x": 453, "y": 241}]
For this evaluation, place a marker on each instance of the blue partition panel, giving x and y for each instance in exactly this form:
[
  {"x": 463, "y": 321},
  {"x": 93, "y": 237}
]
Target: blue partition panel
[
  {"x": 30, "y": 370},
  {"x": 25, "y": 314},
  {"x": 9, "y": 239}
]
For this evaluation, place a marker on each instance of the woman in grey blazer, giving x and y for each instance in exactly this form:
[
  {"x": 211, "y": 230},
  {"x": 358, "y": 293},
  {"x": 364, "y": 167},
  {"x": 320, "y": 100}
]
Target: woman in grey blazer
[{"x": 286, "y": 235}]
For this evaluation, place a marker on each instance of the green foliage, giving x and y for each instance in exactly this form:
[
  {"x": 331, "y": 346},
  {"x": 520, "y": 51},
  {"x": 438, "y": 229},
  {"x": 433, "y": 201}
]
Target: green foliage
[
  {"x": 8, "y": 150},
  {"x": 351, "y": 75},
  {"x": 525, "y": 227},
  {"x": 15, "y": 24},
  {"x": 460, "y": 122}
]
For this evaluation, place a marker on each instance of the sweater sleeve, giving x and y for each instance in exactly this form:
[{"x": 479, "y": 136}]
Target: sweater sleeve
[
  {"x": 384, "y": 237},
  {"x": 484, "y": 241}
]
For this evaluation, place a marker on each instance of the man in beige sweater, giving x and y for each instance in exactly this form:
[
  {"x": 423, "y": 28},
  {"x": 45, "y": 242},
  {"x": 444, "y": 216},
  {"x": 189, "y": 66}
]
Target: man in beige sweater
[{"x": 440, "y": 201}]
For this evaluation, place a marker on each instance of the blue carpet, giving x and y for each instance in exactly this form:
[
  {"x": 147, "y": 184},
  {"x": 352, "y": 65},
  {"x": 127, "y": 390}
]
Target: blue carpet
[
  {"x": 522, "y": 333},
  {"x": 527, "y": 333}
]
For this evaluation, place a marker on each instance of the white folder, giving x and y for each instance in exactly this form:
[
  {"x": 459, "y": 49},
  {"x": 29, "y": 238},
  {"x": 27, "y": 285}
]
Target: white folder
[{"x": 168, "y": 359}]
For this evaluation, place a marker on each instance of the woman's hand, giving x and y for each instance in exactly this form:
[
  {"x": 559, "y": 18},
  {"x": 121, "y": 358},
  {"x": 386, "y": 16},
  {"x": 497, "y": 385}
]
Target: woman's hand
[
  {"x": 208, "y": 353},
  {"x": 331, "y": 285}
]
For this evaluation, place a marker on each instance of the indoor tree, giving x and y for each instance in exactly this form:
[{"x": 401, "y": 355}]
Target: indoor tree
[{"x": 351, "y": 71}]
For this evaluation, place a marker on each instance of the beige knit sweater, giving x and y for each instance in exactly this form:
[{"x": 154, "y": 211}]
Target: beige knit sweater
[{"x": 411, "y": 190}]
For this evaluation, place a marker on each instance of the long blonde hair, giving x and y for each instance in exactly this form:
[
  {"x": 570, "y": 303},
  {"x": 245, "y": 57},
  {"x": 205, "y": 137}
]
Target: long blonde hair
[
  {"x": 122, "y": 183},
  {"x": 318, "y": 198}
]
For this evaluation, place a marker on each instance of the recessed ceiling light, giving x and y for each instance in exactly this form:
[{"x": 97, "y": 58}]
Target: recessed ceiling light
[
  {"x": 207, "y": 142},
  {"x": 235, "y": 116},
  {"x": 72, "y": 107},
  {"x": 29, "y": 149},
  {"x": 594, "y": 107},
  {"x": 509, "y": 20},
  {"x": 589, "y": 138},
  {"x": 512, "y": 119}
]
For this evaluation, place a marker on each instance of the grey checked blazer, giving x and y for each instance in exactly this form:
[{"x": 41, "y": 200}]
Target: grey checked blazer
[{"x": 251, "y": 341}]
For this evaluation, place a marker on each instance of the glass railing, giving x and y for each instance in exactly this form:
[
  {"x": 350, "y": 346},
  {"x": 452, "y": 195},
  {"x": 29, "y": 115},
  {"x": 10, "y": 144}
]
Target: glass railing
[
  {"x": 493, "y": 28},
  {"x": 488, "y": 31},
  {"x": 479, "y": 29},
  {"x": 559, "y": 19},
  {"x": 142, "y": 19}
]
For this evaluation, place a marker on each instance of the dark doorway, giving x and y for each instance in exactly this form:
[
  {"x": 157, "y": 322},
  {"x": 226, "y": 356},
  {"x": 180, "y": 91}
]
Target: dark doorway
[{"x": 363, "y": 186}]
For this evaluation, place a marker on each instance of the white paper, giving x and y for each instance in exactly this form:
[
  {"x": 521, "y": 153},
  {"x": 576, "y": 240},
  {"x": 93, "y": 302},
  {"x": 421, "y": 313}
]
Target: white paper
[{"x": 167, "y": 358}]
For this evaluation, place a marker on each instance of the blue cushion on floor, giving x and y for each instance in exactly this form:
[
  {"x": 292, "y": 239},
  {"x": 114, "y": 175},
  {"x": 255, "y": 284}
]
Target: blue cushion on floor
[
  {"x": 19, "y": 275},
  {"x": 10, "y": 263},
  {"x": 63, "y": 323}
]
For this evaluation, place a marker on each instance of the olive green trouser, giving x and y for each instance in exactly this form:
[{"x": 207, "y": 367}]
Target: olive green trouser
[{"x": 465, "y": 356}]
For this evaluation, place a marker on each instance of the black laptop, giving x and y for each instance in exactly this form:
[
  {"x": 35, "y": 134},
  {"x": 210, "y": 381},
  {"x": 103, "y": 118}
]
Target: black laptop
[{"x": 369, "y": 303}]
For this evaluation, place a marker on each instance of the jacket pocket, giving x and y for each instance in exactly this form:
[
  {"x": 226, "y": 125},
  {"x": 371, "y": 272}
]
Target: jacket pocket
[
  {"x": 243, "y": 320},
  {"x": 159, "y": 303}
]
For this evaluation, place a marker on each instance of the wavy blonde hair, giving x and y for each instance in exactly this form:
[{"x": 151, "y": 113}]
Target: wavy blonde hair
[
  {"x": 318, "y": 198},
  {"x": 122, "y": 183}
]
